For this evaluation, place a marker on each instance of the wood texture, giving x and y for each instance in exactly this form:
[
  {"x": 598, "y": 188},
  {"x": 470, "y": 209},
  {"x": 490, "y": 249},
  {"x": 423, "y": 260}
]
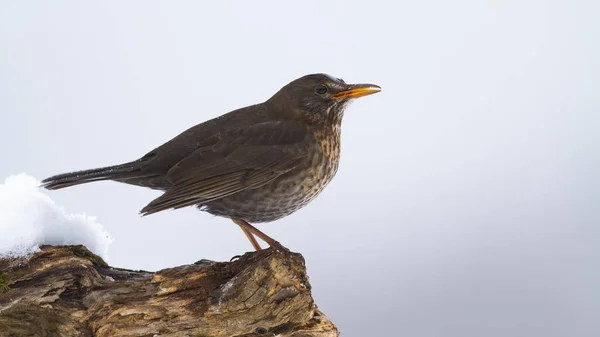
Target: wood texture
[{"x": 68, "y": 291}]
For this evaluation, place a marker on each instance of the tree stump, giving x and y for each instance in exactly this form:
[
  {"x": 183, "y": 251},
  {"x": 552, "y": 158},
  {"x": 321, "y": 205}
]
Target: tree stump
[{"x": 68, "y": 291}]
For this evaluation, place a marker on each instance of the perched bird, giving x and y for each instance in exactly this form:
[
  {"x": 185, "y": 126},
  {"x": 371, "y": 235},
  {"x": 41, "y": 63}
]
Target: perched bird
[{"x": 255, "y": 164}]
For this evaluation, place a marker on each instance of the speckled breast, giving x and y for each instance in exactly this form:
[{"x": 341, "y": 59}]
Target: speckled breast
[{"x": 289, "y": 192}]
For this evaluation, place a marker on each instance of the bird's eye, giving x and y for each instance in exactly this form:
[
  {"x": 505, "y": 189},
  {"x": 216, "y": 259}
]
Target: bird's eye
[{"x": 321, "y": 89}]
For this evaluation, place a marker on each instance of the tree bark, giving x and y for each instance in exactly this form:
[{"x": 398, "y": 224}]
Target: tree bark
[{"x": 68, "y": 291}]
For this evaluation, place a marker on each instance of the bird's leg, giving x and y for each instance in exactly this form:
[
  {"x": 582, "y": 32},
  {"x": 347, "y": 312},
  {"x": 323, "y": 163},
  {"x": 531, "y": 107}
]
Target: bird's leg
[
  {"x": 249, "y": 229},
  {"x": 248, "y": 233},
  {"x": 251, "y": 238}
]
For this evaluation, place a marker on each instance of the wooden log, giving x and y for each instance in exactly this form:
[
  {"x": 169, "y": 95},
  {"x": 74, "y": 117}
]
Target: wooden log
[{"x": 68, "y": 291}]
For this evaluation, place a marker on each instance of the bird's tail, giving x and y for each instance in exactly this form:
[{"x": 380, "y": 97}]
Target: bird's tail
[{"x": 123, "y": 171}]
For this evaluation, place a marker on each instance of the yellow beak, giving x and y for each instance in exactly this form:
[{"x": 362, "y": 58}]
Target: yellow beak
[{"x": 358, "y": 90}]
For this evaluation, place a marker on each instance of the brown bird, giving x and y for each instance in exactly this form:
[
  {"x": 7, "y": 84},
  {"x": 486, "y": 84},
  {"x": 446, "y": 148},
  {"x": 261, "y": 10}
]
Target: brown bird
[{"x": 255, "y": 164}]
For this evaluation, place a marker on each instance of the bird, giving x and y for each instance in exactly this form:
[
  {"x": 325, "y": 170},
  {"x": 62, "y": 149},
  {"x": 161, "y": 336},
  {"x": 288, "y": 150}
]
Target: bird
[{"x": 252, "y": 165}]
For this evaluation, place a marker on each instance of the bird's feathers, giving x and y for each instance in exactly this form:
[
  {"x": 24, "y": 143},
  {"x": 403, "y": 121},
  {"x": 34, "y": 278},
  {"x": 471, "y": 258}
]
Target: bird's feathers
[
  {"x": 291, "y": 140},
  {"x": 123, "y": 171},
  {"x": 241, "y": 159}
]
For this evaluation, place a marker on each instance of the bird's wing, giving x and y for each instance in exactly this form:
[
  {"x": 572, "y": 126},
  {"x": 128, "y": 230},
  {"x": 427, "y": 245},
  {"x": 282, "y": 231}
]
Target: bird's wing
[{"x": 244, "y": 158}]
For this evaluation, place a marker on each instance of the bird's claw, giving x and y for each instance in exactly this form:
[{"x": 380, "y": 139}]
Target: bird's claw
[{"x": 275, "y": 245}]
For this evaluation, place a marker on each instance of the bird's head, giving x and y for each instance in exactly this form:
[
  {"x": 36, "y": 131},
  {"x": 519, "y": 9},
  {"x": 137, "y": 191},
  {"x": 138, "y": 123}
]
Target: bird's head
[{"x": 318, "y": 98}]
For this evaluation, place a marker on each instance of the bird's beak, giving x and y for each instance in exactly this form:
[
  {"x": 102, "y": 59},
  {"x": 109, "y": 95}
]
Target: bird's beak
[{"x": 357, "y": 90}]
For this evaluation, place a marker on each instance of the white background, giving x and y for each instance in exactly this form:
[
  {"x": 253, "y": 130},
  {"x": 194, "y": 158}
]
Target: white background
[{"x": 466, "y": 203}]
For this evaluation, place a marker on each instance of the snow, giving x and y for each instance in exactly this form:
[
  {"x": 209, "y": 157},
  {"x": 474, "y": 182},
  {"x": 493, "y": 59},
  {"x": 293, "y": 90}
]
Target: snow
[{"x": 30, "y": 218}]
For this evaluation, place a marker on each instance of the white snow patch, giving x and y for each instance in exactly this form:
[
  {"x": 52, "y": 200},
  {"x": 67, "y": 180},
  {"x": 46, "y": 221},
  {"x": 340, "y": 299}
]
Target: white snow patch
[{"x": 29, "y": 218}]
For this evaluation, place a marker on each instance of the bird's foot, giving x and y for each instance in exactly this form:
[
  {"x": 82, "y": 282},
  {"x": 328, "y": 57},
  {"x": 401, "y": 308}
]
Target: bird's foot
[
  {"x": 237, "y": 257},
  {"x": 251, "y": 231},
  {"x": 275, "y": 245}
]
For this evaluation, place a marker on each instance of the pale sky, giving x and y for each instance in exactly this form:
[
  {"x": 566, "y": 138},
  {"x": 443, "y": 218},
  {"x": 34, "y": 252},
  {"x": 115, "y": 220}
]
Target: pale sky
[{"x": 466, "y": 202}]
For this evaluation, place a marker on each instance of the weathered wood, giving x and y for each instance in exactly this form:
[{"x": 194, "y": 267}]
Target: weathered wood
[{"x": 68, "y": 291}]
